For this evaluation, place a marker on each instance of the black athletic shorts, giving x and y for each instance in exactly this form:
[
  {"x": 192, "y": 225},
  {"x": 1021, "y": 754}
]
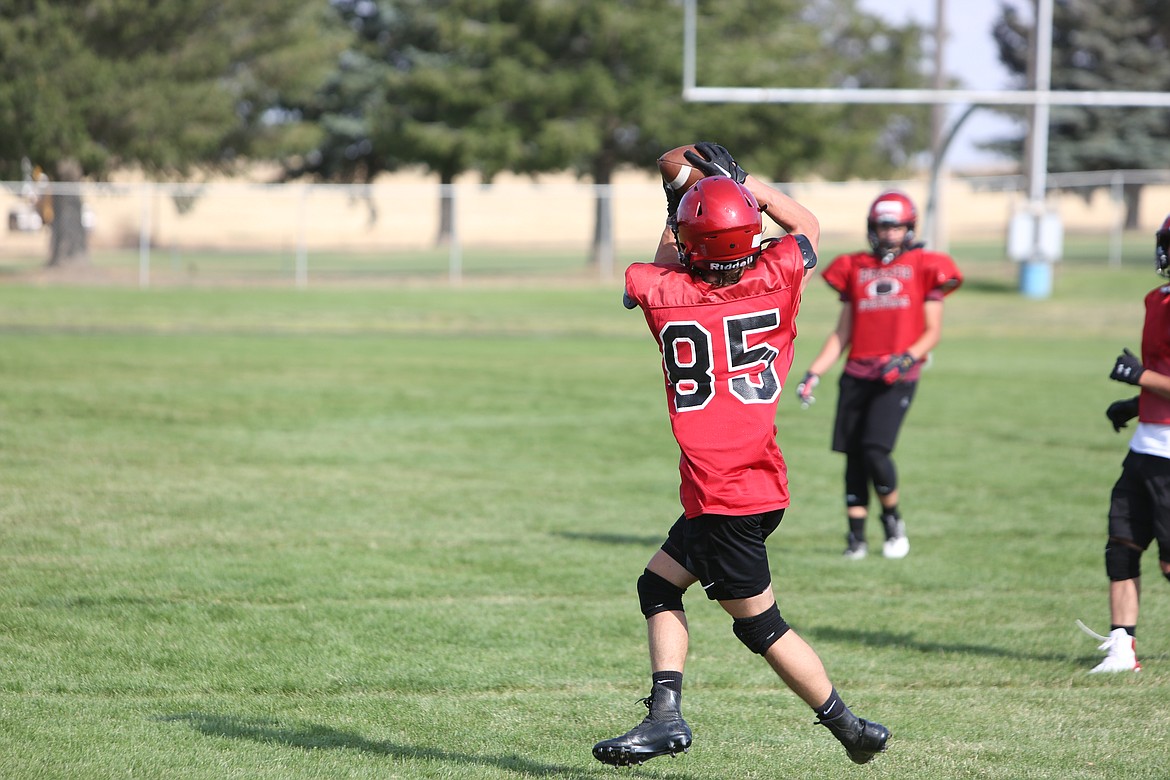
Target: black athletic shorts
[
  {"x": 1139, "y": 508},
  {"x": 870, "y": 413},
  {"x": 726, "y": 553}
]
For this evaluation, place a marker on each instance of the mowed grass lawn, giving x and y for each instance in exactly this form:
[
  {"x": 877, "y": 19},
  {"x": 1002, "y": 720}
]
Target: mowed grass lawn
[{"x": 394, "y": 533}]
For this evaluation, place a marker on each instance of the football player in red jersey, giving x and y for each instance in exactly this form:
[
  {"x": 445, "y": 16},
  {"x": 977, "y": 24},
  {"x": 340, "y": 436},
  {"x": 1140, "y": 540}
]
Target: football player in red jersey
[
  {"x": 891, "y": 318},
  {"x": 722, "y": 308},
  {"x": 1139, "y": 506}
]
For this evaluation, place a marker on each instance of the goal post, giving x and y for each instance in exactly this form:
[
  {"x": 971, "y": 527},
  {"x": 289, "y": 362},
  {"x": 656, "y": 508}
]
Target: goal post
[{"x": 1040, "y": 100}]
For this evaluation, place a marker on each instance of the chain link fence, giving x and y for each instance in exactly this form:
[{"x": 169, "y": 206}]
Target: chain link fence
[{"x": 514, "y": 229}]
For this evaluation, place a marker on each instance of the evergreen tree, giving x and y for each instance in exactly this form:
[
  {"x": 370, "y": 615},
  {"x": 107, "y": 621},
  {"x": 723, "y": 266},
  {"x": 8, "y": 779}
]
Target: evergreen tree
[
  {"x": 168, "y": 86},
  {"x": 1120, "y": 45},
  {"x": 539, "y": 85}
]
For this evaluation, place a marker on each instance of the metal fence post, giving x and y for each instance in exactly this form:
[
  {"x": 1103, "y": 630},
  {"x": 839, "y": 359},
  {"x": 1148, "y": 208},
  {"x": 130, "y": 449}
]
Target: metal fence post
[
  {"x": 454, "y": 250},
  {"x": 1117, "y": 190},
  {"x": 144, "y": 231},
  {"x": 605, "y": 218},
  {"x": 302, "y": 262}
]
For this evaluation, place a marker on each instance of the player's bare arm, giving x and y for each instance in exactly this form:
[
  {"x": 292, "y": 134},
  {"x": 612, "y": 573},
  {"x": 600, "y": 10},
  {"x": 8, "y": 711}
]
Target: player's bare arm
[
  {"x": 785, "y": 211},
  {"x": 835, "y": 343},
  {"x": 931, "y": 334},
  {"x": 1155, "y": 383},
  {"x": 667, "y": 251}
]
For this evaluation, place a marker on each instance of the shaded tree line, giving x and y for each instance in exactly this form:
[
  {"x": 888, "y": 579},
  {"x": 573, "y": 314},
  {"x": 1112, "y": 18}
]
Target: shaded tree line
[
  {"x": 1119, "y": 45},
  {"x": 347, "y": 90}
]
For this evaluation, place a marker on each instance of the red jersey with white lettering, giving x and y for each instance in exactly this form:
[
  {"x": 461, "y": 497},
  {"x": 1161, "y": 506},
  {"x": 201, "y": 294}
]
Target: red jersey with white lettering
[
  {"x": 887, "y": 300},
  {"x": 725, "y": 353},
  {"x": 1153, "y": 408}
]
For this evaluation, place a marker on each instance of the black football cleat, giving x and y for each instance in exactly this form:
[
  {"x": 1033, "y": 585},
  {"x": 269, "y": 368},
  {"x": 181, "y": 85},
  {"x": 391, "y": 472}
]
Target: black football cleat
[
  {"x": 862, "y": 739},
  {"x": 663, "y": 732}
]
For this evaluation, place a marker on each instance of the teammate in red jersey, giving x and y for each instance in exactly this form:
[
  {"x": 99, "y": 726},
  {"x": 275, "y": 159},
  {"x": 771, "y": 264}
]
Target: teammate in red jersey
[
  {"x": 721, "y": 302},
  {"x": 891, "y": 318},
  {"x": 1139, "y": 507}
]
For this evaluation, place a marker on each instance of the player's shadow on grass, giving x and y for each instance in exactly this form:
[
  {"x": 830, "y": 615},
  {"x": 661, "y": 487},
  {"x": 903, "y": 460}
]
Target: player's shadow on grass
[
  {"x": 313, "y": 736},
  {"x": 639, "y": 540},
  {"x": 992, "y": 286},
  {"x": 909, "y": 641}
]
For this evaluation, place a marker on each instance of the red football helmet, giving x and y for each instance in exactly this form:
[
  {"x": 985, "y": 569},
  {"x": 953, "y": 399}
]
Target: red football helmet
[
  {"x": 719, "y": 225},
  {"x": 891, "y": 208},
  {"x": 1162, "y": 248}
]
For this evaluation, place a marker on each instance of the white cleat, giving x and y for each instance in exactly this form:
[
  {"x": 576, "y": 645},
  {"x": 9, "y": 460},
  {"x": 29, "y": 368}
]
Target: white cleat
[
  {"x": 1120, "y": 651},
  {"x": 896, "y": 547}
]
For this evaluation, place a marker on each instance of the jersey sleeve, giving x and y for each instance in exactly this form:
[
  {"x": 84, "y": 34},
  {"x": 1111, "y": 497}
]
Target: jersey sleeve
[
  {"x": 836, "y": 275},
  {"x": 635, "y": 290},
  {"x": 940, "y": 275}
]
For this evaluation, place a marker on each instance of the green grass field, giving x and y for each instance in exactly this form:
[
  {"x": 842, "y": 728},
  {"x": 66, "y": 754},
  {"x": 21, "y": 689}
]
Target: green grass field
[{"x": 394, "y": 533}]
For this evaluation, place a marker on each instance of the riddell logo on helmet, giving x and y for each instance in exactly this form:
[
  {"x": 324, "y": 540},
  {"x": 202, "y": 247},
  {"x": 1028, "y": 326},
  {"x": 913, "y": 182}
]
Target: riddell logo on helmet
[{"x": 731, "y": 265}]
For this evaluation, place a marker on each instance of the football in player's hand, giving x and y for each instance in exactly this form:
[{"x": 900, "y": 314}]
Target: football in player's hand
[{"x": 677, "y": 172}]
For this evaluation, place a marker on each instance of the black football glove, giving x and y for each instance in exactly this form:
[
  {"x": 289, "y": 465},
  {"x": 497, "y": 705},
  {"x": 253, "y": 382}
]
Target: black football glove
[
  {"x": 1127, "y": 369},
  {"x": 1121, "y": 412},
  {"x": 715, "y": 161},
  {"x": 673, "y": 198},
  {"x": 897, "y": 367},
  {"x": 804, "y": 391}
]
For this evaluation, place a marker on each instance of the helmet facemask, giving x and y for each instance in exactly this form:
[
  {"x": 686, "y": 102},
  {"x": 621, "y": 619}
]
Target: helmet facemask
[
  {"x": 888, "y": 250},
  {"x": 891, "y": 209}
]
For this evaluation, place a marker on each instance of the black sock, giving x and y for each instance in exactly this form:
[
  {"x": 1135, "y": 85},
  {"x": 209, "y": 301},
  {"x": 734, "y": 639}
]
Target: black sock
[
  {"x": 890, "y": 518},
  {"x": 857, "y": 528},
  {"x": 1131, "y": 630},
  {"x": 832, "y": 708},
  {"x": 672, "y": 680}
]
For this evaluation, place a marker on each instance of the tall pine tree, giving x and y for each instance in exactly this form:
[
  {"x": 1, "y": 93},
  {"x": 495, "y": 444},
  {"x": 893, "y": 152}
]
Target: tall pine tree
[
  {"x": 542, "y": 85},
  {"x": 1119, "y": 45},
  {"x": 167, "y": 86}
]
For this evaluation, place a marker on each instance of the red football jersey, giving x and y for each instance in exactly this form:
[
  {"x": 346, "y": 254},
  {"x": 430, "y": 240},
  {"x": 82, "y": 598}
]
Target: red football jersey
[
  {"x": 887, "y": 299},
  {"x": 726, "y": 352},
  {"x": 1153, "y": 408}
]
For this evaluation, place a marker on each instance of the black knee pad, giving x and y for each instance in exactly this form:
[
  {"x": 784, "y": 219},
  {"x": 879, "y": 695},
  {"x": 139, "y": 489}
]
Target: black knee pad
[
  {"x": 1123, "y": 561},
  {"x": 761, "y": 632},
  {"x": 658, "y": 595},
  {"x": 856, "y": 481},
  {"x": 881, "y": 470}
]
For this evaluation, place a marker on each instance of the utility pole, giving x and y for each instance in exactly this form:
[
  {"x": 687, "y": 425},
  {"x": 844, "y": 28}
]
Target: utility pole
[{"x": 936, "y": 237}]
